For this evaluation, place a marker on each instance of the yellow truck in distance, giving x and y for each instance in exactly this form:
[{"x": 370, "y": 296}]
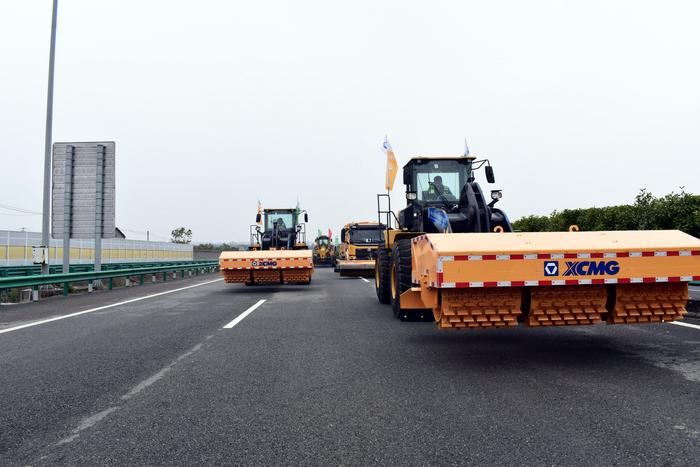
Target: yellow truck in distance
[
  {"x": 278, "y": 253},
  {"x": 357, "y": 251}
]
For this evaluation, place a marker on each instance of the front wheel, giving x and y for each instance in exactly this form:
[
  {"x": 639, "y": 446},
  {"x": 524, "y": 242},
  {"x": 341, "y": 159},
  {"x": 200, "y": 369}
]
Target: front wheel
[
  {"x": 382, "y": 276},
  {"x": 401, "y": 279}
]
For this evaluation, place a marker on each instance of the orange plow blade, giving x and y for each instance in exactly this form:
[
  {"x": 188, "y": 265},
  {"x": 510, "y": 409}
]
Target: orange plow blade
[
  {"x": 267, "y": 266},
  {"x": 553, "y": 278}
]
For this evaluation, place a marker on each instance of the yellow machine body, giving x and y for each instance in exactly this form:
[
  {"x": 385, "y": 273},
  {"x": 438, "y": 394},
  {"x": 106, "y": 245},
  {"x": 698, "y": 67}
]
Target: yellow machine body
[
  {"x": 356, "y": 259},
  {"x": 277, "y": 255},
  {"x": 323, "y": 251}
]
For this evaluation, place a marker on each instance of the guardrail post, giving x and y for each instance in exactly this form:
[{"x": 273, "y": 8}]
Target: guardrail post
[
  {"x": 89, "y": 286},
  {"x": 141, "y": 280},
  {"x": 110, "y": 283},
  {"x": 35, "y": 293},
  {"x": 165, "y": 276},
  {"x": 66, "y": 289}
]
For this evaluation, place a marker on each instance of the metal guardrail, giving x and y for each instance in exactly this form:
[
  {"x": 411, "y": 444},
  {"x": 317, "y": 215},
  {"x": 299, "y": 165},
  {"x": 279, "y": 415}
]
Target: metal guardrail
[
  {"x": 697, "y": 283},
  {"x": 16, "y": 271},
  {"x": 34, "y": 281}
]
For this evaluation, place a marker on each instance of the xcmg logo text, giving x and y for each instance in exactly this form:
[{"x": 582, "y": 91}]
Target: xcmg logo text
[
  {"x": 263, "y": 263},
  {"x": 582, "y": 268}
]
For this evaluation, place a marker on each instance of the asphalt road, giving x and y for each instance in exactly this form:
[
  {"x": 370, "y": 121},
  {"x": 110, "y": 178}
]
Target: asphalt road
[
  {"x": 324, "y": 374},
  {"x": 694, "y": 292}
]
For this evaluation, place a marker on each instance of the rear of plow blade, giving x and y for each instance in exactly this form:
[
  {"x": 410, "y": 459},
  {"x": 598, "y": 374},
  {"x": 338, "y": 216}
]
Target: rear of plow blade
[
  {"x": 267, "y": 267},
  {"x": 356, "y": 267},
  {"x": 553, "y": 278}
]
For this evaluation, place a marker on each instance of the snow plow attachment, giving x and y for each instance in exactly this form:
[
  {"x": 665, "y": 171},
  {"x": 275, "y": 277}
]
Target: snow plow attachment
[
  {"x": 355, "y": 267},
  {"x": 484, "y": 280},
  {"x": 267, "y": 266}
]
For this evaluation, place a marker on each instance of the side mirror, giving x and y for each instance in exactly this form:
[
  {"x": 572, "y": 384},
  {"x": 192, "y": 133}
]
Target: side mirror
[
  {"x": 407, "y": 175},
  {"x": 258, "y": 217},
  {"x": 306, "y": 217},
  {"x": 489, "y": 174}
]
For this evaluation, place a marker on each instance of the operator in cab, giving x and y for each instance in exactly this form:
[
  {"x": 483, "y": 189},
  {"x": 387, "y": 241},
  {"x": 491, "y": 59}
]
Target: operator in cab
[
  {"x": 436, "y": 189},
  {"x": 280, "y": 224}
]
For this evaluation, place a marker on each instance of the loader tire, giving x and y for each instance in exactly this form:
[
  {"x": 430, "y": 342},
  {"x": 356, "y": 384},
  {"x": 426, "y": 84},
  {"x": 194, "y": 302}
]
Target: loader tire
[
  {"x": 401, "y": 276},
  {"x": 382, "y": 276}
]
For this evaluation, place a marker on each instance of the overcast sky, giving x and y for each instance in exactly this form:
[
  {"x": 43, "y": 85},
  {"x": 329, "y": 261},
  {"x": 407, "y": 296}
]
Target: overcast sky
[{"x": 214, "y": 104}]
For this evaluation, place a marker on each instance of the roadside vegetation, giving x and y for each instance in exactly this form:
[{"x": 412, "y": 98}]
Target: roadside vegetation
[{"x": 673, "y": 211}]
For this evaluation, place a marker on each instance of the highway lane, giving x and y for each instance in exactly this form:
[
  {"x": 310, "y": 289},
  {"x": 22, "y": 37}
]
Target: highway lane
[
  {"x": 324, "y": 374},
  {"x": 694, "y": 292}
]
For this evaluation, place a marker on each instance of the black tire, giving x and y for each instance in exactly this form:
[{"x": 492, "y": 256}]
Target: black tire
[
  {"x": 401, "y": 276},
  {"x": 382, "y": 276}
]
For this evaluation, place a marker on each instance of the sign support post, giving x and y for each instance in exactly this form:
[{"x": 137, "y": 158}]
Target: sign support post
[
  {"x": 99, "y": 204},
  {"x": 67, "y": 206}
]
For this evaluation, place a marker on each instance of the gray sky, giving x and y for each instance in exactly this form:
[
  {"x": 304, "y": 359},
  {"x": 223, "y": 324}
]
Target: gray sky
[{"x": 214, "y": 104}]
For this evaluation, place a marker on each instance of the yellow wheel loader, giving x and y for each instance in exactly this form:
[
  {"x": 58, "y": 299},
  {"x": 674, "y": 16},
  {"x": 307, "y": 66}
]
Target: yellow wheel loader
[
  {"x": 452, "y": 255},
  {"x": 278, "y": 253},
  {"x": 358, "y": 248},
  {"x": 323, "y": 251}
]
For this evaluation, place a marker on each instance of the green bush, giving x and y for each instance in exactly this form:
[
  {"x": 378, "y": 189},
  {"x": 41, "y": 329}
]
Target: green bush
[{"x": 679, "y": 211}]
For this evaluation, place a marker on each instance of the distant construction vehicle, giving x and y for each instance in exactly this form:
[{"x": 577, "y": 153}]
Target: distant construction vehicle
[
  {"x": 358, "y": 246},
  {"x": 453, "y": 254},
  {"x": 323, "y": 251},
  {"x": 278, "y": 253}
]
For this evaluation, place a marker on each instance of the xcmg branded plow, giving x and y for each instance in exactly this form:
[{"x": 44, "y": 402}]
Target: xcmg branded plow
[
  {"x": 267, "y": 266},
  {"x": 552, "y": 278}
]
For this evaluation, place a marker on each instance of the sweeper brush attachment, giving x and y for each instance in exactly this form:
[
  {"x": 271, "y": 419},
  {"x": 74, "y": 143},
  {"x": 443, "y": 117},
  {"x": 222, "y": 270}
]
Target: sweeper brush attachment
[
  {"x": 485, "y": 280},
  {"x": 266, "y": 266}
]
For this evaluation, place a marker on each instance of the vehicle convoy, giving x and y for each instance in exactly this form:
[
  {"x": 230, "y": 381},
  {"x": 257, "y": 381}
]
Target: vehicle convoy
[
  {"x": 323, "y": 251},
  {"x": 358, "y": 248},
  {"x": 278, "y": 253},
  {"x": 452, "y": 252}
]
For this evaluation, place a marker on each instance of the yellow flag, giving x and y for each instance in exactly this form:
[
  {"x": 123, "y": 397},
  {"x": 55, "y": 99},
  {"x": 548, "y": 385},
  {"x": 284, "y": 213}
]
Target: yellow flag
[{"x": 391, "y": 166}]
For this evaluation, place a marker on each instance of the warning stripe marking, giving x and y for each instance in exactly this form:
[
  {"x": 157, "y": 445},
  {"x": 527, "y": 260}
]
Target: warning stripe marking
[{"x": 621, "y": 254}]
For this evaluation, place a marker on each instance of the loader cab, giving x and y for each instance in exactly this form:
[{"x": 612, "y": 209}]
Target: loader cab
[
  {"x": 446, "y": 188},
  {"x": 282, "y": 229}
]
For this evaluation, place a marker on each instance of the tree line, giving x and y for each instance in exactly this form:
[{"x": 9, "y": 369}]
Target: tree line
[{"x": 673, "y": 211}]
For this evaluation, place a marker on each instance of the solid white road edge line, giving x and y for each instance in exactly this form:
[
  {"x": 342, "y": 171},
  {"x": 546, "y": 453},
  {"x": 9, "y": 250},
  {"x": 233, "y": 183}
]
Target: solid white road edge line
[
  {"x": 72, "y": 315},
  {"x": 364, "y": 279},
  {"x": 240, "y": 317},
  {"x": 687, "y": 325}
]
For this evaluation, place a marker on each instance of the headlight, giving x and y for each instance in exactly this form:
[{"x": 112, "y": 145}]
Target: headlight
[{"x": 496, "y": 195}]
